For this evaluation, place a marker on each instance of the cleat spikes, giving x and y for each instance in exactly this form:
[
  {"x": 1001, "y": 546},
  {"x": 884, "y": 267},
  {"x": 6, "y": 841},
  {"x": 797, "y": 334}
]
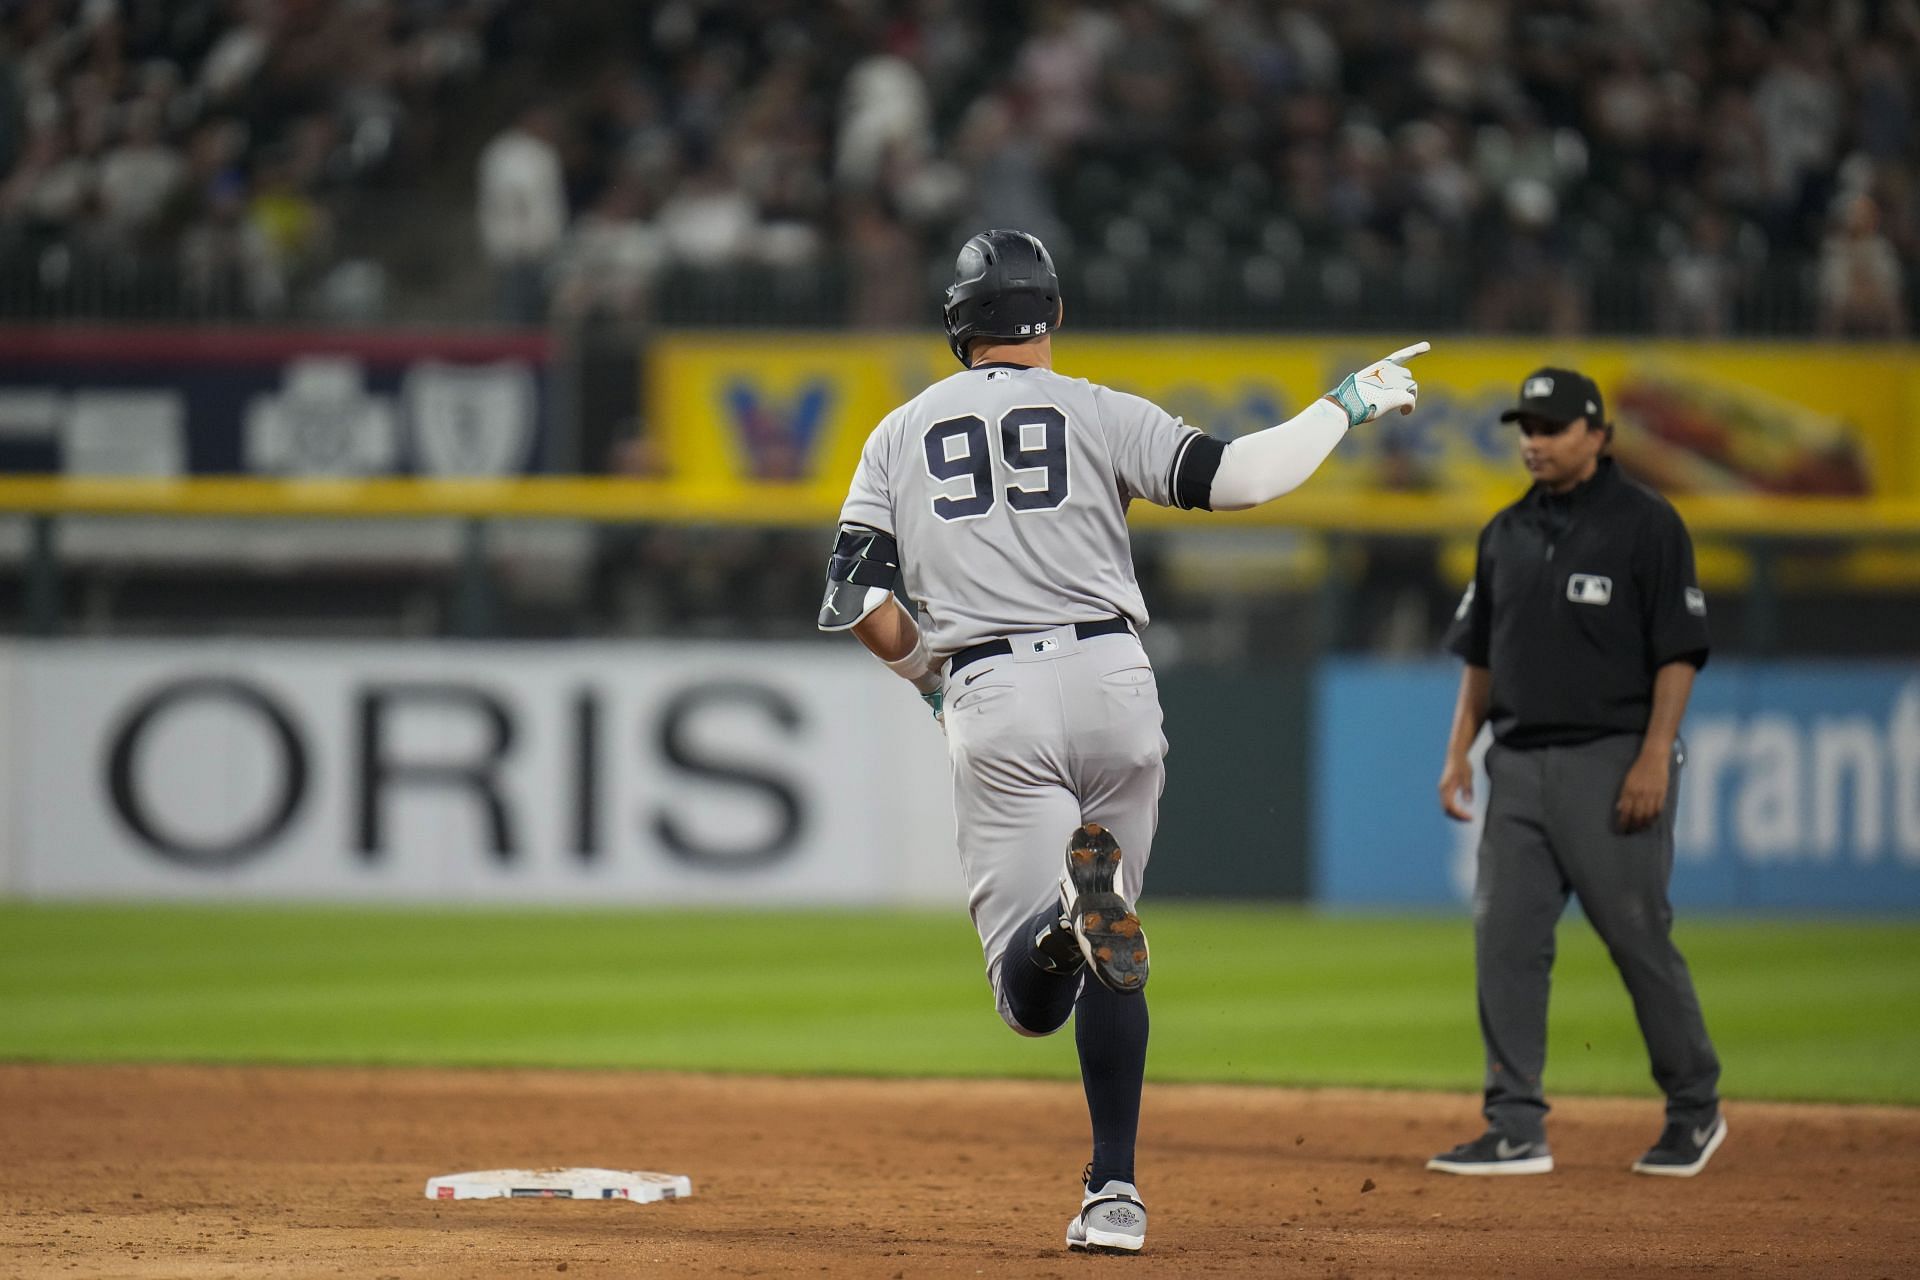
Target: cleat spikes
[{"x": 1105, "y": 928}]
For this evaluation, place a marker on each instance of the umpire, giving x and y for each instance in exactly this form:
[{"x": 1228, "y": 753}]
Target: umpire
[{"x": 1582, "y": 630}]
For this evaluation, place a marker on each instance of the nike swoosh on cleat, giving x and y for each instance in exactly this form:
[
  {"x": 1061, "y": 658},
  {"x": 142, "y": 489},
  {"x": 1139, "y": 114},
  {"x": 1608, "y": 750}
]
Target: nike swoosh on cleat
[
  {"x": 1701, "y": 1137},
  {"x": 1510, "y": 1150}
]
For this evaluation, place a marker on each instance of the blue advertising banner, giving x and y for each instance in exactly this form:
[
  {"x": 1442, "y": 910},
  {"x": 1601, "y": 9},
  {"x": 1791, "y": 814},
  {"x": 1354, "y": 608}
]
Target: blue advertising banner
[
  {"x": 158, "y": 403},
  {"x": 1801, "y": 788}
]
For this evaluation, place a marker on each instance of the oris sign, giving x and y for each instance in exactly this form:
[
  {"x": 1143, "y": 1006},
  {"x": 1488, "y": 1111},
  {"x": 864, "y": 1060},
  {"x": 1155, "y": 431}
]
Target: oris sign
[{"x": 646, "y": 773}]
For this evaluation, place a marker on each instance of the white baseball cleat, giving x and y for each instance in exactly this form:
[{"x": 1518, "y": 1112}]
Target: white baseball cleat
[{"x": 1111, "y": 1220}]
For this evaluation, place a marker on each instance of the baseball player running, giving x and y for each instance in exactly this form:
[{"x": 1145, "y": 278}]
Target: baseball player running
[{"x": 999, "y": 498}]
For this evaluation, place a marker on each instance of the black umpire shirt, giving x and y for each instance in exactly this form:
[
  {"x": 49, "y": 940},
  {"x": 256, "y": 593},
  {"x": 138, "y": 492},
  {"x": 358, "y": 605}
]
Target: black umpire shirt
[{"x": 1576, "y": 601}]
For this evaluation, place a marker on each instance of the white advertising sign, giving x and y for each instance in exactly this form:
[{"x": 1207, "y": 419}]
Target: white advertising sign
[{"x": 640, "y": 773}]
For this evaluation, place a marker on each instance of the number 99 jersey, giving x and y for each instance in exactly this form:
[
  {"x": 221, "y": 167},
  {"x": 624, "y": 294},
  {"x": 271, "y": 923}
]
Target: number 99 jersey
[{"x": 1006, "y": 488}]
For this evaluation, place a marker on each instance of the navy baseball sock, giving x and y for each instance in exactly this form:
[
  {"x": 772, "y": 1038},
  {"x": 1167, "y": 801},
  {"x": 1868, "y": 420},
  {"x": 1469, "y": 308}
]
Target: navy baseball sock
[
  {"x": 1110, "y": 1029},
  {"x": 1041, "y": 1001}
]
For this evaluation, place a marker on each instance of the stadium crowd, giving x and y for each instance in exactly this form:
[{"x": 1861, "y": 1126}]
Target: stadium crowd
[
  {"x": 192, "y": 157},
  {"x": 1686, "y": 166}
]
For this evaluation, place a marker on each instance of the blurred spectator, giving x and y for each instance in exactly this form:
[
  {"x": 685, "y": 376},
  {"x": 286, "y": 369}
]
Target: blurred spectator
[
  {"x": 1529, "y": 283},
  {"x": 1440, "y": 184},
  {"x": 1459, "y": 57},
  {"x": 1798, "y": 102},
  {"x": 226, "y": 261},
  {"x": 138, "y": 176},
  {"x": 50, "y": 183},
  {"x": 884, "y": 111},
  {"x": 1146, "y": 83},
  {"x": 708, "y": 221},
  {"x": 240, "y": 52},
  {"x": 1862, "y": 294},
  {"x": 1630, "y": 163},
  {"x": 1007, "y": 175},
  {"x": 523, "y": 213},
  {"x": 777, "y": 148},
  {"x": 292, "y": 226},
  {"x": 1520, "y": 148},
  {"x": 1702, "y": 281},
  {"x": 1734, "y": 153},
  {"x": 1059, "y": 66},
  {"x": 1884, "y": 101},
  {"x": 887, "y": 291},
  {"x": 203, "y": 150},
  {"x": 611, "y": 257}
]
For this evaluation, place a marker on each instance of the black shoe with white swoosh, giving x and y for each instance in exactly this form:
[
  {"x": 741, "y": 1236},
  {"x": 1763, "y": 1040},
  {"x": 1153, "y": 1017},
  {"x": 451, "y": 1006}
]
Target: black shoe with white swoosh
[
  {"x": 1492, "y": 1154},
  {"x": 1683, "y": 1149}
]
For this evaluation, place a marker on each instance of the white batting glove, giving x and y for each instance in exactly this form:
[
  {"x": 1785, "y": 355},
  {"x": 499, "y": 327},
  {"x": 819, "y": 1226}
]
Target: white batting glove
[{"x": 1381, "y": 386}]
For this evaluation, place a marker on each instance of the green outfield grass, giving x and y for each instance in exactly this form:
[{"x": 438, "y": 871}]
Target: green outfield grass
[{"x": 1800, "y": 1010}]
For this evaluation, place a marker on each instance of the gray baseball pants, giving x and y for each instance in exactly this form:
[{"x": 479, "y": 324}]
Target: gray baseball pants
[
  {"x": 1060, "y": 732},
  {"x": 1551, "y": 829}
]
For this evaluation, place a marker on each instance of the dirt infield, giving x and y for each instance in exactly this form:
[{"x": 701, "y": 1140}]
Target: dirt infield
[{"x": 252, "y": 1172}]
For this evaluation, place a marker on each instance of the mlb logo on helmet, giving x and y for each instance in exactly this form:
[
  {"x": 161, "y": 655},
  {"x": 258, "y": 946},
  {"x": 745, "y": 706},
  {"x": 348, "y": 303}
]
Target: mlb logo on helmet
[{"x": 1537, "y": 389}]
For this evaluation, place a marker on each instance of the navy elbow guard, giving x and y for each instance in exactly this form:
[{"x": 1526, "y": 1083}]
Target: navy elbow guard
[{"x": 861, "y": 573}]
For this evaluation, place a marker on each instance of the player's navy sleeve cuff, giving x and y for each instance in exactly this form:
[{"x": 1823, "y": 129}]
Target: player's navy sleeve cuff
[{"x": 1193, "y": 470}]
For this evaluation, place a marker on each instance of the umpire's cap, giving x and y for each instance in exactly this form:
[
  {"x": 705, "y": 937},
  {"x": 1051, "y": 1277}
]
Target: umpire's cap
[
  {"x": 1003, "y": 287},
  {"x": 1559, "y": 395}
]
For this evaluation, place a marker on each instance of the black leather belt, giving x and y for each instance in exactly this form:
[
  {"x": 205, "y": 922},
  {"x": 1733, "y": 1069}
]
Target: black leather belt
[{"x": 994, "y": 648}]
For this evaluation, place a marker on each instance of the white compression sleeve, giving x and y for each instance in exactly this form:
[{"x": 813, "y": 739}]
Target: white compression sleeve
[
  {"x": 916, "y": 665},
  {"x": 1260, "y": 467}
]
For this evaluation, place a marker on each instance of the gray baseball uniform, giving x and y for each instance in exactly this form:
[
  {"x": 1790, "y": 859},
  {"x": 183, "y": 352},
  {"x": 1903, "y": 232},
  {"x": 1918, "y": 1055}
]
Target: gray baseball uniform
[{"x": 1007, "y": 489}]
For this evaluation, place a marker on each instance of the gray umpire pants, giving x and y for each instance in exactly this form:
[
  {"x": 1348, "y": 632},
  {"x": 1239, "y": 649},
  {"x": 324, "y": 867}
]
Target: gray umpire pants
[{"x": 1551, "y": 829}]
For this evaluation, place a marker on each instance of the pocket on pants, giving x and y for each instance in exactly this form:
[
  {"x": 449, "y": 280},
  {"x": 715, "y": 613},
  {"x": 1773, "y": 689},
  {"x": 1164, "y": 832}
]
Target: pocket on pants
[
  {"x": 1136, "y": 681},
  {"x": 1132, "y": 699},
  {"x": 978, "y": 698}
]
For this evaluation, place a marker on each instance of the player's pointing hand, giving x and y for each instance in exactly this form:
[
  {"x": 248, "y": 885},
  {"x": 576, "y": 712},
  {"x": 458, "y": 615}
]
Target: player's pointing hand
[{"x": 1380, "y": 386}]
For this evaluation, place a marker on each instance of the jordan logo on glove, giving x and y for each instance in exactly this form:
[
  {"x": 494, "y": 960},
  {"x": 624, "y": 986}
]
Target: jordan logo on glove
[{"x": 1387, "y": 385}]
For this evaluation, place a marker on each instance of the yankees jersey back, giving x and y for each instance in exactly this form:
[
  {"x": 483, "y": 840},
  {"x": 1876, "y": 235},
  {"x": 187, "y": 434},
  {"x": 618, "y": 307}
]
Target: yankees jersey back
[{"x": 1007, "y": 488}]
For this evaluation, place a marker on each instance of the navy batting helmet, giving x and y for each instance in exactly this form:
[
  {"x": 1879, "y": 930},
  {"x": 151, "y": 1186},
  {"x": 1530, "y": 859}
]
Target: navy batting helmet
[{"x": 1003, "y": 287}]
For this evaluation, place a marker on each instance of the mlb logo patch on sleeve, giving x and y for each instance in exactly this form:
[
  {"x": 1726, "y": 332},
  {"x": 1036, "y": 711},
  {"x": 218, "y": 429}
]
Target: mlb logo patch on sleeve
[
  {"x": 1589, "y": 588},
  {"x": 1696, "y": 602}
]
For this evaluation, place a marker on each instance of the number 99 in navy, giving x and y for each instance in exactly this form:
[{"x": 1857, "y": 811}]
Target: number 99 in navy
[{"x": 1033, "y": 443}]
